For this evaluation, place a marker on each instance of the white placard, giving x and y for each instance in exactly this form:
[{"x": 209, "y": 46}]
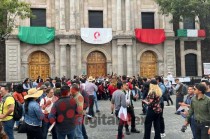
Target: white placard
[{"x": 206, "y": 68}]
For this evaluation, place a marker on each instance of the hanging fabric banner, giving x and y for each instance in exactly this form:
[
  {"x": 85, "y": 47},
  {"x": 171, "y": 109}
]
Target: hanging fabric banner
[
  {"x": 96, "y": 35},
  {"x": 150, "y": 36},
  {"x": 36, "y": 35},
  {"x": 191, "y": 33}
]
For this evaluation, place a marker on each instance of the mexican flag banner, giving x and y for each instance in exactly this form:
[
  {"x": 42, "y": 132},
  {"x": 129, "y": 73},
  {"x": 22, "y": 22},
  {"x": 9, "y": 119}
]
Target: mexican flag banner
[{"x": 191, "y": 33}]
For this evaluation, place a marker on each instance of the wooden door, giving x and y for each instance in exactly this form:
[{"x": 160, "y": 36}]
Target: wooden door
[
  {"x": 96, "y": 64},
  {"x": 148, "y": 64},
  {"x": 39, "y": 65}
]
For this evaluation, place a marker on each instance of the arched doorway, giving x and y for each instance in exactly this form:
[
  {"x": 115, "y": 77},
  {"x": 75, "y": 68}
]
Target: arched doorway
[
  {"x": 148, "y": 64},
  {"x": 96, "y": 64},
  {"x": 39, "y": 65}
]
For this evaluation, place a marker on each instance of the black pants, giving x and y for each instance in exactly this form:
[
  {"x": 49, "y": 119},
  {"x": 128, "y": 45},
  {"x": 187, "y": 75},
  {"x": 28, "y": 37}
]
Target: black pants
[
  {"x": 120, "y": 126},
  {"x": 169, "y": 99},
  {"x": 201, "y": 131},
  {"x": 178, "y": 99},
  {"x": 34, "y": 132},
  {"x": 131, "y": 115},
  {"x": 162, "y": 123},
  {"x": 154, "y": 118},
  {"x": 91, "y": 104}
]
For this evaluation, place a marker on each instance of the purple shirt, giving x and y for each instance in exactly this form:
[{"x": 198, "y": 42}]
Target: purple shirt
[{"x": 90, "y": 88}]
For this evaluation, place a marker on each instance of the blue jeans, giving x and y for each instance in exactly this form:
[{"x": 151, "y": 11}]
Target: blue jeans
[
  {"x": 69, "y": 134},
  {"x": 78, "y": 130},
  {"x": 8, "y": 128},
  {"x": 192, "y": 126},
  {"x": 45, "y": 127},
  {"x": 84, "y": 133}
]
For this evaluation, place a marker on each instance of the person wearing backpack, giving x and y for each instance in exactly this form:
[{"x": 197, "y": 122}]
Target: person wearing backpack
[
  {"x": 6, "y": 111},
  {"x": 19, "y": 97},
  {"x": 179, "y": 94}
]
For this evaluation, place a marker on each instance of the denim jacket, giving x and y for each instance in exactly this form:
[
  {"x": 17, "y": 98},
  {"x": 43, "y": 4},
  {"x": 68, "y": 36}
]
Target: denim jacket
[{"x": 34, "y": 116}]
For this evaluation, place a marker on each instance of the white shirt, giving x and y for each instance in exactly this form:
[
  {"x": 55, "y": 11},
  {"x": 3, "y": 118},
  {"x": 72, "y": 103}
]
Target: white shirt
[
  {"x": 128, "y": 97},
  {"x": 44, "y": 101}
]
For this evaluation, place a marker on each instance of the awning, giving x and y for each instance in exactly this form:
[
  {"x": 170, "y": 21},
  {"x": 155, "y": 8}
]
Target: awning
[
  {"x": 96, "y": 35},
  {"x": 150, "y": 36},
  {"x": 191, "y": 33},
  {"x": 36, "y": 35}
]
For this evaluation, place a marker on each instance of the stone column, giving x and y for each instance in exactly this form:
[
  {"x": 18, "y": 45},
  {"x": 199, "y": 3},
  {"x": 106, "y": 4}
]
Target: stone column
[
  {"x": 62, "y": 14},
  {"x": 129, "y": 61},
  {"x": 73, "y": 61},
  {"x": 63, "y": 63},
  {"x": 128, "y": 14},
  {"x": 114, "y": 24},
  {"x": 119, "y": 15},
  {"x": 57, "y": 59},
  {"x": 72, "y": 14},
  {"x": 169, "y": 59},
  {"x": 86, "y": 14},
  {"x": 199, "y": 58},
  {"x": 13, "y": 60},
  {"x": 120, "y": 59}
]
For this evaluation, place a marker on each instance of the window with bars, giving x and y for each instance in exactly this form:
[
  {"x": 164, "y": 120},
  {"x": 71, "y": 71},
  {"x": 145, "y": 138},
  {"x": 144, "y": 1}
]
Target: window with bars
[
  {"x": 40, "y": 18},
  {"x": 95, "y": 19},
  {"x": 191, "y": 65},
  {"x": 148, "y": 20},
  {"x": 189, "y": 23},
  {"x": 190, "y": 45}
]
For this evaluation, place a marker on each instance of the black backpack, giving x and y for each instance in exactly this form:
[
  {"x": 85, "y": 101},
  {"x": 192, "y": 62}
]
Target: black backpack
[
  {"x": 18, "y": 110},
  {"x": 184, "y": 89},
  {"x": 166, "y": 94}
]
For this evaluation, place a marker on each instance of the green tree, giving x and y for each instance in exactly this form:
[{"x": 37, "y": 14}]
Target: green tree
[
  {"x": 188, "y": 8},
  {"x": 10, "y": 10}
]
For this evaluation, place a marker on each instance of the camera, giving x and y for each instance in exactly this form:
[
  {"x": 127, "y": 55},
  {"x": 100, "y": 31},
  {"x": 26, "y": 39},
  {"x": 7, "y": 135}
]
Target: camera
[{"x": 183, "y": 129}]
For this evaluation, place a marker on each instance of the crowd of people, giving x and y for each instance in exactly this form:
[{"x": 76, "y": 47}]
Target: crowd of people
[{"x": 58, "y": 107}]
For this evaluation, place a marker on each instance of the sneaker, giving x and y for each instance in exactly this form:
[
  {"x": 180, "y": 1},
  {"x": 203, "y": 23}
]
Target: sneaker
[
  {"x": 97, "y": 111},
  {"x": 49, "y": 134},
  {"x": 127, "y": 132},
  {"x": 135, "y": 131},
  {"x": 163, "y": 135}
]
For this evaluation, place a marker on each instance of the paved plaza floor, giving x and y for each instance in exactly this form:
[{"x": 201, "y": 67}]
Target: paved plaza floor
[{"x": 105, "y": 126}]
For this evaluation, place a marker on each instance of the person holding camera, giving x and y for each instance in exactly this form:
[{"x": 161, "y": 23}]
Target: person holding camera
[
  {"x": 200, "y": 107},
  {"x": 185, "y": 113}
]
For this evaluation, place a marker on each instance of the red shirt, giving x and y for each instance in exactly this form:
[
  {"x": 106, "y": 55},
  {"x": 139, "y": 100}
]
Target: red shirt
[
  {"x": 19, "y": 97},
  {"x": 111, "y": 89},
  {"x": 130, "y": 86}
]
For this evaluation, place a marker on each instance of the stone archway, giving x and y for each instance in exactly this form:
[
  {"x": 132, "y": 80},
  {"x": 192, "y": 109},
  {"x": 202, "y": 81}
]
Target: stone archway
[
  {"x": 96, "y": 64},
  {"x": 25, "y": 62},
  {"x": 39, "y": 65}
]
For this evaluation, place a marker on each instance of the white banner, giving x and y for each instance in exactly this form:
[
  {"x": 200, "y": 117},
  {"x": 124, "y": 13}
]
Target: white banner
[
  {"x": 206, "y": 68},
  {"x": 96, "y": 35}
]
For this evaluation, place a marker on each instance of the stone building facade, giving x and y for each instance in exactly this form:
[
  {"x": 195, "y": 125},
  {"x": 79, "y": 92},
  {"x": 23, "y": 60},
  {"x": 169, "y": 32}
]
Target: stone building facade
[{"x": 68, "y": 54}]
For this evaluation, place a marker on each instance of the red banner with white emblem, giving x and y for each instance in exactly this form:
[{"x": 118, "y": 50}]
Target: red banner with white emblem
[{"x": 96, "y": 35}]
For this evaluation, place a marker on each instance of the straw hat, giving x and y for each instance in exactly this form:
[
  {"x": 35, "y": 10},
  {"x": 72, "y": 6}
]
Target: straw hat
[
  {"x": 90, "y": 79},
  {"x": 33, "y": 93}
]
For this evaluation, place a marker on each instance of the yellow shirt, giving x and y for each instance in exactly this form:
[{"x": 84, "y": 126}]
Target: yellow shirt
[{"x": 9, "y": 101}]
